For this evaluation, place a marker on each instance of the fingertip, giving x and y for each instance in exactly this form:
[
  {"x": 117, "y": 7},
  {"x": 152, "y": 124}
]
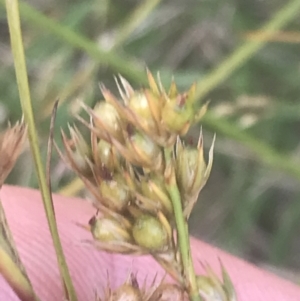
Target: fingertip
[
  {"x": 250, "y": 282},
  {"x": 89, "y": 267}
]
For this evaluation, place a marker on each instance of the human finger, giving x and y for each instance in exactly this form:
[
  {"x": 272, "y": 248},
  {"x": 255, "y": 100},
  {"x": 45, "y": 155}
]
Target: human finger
[{"x": 89, "y": 268}]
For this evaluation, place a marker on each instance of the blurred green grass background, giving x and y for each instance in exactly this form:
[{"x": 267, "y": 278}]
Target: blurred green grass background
[{"x": 251, "y": 204}]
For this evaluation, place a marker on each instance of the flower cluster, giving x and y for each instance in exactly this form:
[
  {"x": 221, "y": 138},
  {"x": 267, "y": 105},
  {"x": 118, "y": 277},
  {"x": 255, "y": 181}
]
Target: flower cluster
[
  {"x": 134, "y": 159},
  {"x": 210, "y": 288},
  {"x": 12, "y": 141}
]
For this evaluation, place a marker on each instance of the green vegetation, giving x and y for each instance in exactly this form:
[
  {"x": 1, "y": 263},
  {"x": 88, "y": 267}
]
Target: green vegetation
[{"x": 251, "y": 203}]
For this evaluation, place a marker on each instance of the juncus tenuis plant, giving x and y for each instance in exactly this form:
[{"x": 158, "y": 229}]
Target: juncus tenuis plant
[{"x": 145, "y": 180}]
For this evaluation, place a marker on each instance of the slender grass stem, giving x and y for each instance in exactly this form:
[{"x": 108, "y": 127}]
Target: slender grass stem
[
  {"x": 264, "y": 153},
  {"x": 12, "y": 7},
  {"x": 125, "y": 65},
  {"x": 134, "y": 20},
  {"x": 243, "y": 53}
]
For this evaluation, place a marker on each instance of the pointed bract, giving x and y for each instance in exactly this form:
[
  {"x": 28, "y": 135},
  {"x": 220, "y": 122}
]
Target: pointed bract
[
  {"x": 192, "y": 172},
  {"x": 115, "y": 193}
]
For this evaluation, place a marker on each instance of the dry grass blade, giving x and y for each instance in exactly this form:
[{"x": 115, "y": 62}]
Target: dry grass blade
[
  {"x": 49, "y": 150},
  {"x": 11, "y": 144},
  {"x": 48, "y": 171}
]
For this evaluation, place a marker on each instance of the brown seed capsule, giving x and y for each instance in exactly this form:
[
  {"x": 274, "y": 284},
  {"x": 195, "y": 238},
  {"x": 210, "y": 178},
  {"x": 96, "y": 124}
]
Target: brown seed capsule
[
  {"x": 139, "y": 104},
  {"x": 142, "y": 108},
  {"x": 144, "y": 145},
  {"x": 148, "y": 232},
  {"x": 210, "y": 290},
  {"x": 177, "y": 115},
  {"x": 116, "y": 193},
  {"x": 127, "y": 292},
  {"x": 108, "y": 156},
  {"x": 106, "y": 229},
  {"x": 167, "y": 292},
  {"x": 153, "y": 188},
  {"x": 147, "y": 151},
  {"x": 191, "y": 171},
  {"x": 107, "y": 118}
]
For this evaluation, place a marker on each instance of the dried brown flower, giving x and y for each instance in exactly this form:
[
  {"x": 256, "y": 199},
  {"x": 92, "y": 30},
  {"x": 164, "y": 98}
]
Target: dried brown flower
[
  {"x": 12, "y": 142},
  {"x": 137, "y": 168},
  {"x": 132, "y": 291}
]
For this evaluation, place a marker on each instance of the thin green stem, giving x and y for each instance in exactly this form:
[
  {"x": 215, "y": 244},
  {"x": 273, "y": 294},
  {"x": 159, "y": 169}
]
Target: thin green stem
[
  {"x": 182, "y": 230},
  {"x": 288, "y": 229},
  {"x": 247, "y": 50},
  {"x": 22, "y": 80},
  {"x": 263, "y": 151},
  {"x": 134, "y": 20},
  {"x": 82, "y": 77},
  {"x": 126, "y": 65}
]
